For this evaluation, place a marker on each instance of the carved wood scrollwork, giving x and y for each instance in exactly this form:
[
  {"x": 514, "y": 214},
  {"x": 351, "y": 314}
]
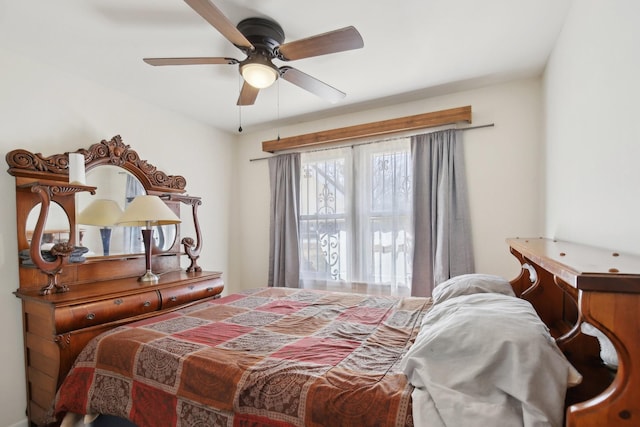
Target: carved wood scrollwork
[
  {"x": 527, "y": 280},
  {"x": 191, "y": 248},
  {"x": 573, "y": 295},
  {"x": 23, "y": 160},
  {"x": 63, "y": 340},
  {"x": 117, "y": 153},
  {"x": 113, "y": 151}
]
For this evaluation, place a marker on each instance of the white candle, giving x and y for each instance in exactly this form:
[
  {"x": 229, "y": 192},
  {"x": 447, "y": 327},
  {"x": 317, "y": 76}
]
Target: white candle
[{"x": 76, "y": 169}]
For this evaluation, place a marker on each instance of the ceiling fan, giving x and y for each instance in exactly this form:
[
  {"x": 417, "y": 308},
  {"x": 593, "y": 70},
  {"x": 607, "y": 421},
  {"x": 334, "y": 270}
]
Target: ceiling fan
[{"x": 262, "y": 40}]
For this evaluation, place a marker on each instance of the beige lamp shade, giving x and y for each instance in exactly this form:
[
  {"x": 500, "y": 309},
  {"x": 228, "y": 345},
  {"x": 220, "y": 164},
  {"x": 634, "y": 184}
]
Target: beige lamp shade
[
  {"x": 101, "y": 212},
  {"x": 147, "y": 211}
]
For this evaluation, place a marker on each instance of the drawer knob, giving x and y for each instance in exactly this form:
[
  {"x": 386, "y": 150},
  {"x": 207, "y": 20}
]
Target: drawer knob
[
  {"x": 118, "y": 301},
  {"x": 91, "y": 316},
  {"x": 210, "y": 289},
  {"x": 174, "y": 298},
  {"x": 146, "y": 304},
  {"x": 191, "y": 287}
]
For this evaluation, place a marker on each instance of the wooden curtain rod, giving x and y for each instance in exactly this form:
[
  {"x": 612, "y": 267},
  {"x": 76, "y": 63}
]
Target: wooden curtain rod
[
  {"x": 373, "y": 129},
  {"x": 488, "y": 125}
]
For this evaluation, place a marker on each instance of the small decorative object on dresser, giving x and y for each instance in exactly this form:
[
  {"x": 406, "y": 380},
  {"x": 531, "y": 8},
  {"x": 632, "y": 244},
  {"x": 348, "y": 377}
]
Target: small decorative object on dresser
[{"x": 65, "y": 303}]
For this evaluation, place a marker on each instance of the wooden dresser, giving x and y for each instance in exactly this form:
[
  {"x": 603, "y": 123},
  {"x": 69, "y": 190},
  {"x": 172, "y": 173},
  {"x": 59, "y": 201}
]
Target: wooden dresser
[
  {"x": 59, "y": 325},
  {"x": 76, "y": 284}
]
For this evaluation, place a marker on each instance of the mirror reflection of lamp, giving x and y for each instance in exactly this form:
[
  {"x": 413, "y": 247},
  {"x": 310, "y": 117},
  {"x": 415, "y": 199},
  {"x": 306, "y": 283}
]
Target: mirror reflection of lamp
[
  {"x": 102, "y": 213},
  {"x": 147, "y": 211}
]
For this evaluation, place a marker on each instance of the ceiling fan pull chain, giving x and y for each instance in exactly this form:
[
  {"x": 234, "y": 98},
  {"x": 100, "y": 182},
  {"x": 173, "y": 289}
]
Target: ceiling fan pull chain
[
  {"x": 239, "y": 106},
  {"x": 278, "y": 98}
]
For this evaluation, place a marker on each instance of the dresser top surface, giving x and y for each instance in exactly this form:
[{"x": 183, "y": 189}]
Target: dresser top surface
[
  {"x": 582, "y": 266},
  {"x": 116, "y": 287}
]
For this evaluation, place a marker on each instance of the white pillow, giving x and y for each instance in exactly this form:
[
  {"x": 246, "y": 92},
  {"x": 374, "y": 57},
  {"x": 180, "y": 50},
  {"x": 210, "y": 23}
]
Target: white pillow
[{"x": 468, "y": 284}]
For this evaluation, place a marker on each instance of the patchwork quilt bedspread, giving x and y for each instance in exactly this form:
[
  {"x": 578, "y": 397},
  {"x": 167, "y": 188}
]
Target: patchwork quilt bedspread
[{"x": 265, "y": 357}]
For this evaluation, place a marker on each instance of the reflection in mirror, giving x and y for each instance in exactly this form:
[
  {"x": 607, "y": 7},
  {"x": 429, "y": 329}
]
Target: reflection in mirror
[
  {"x": 102, "y": 213},
  {"x": 115, "y": 189},
  {"x": 164, "y": 236},
  {"x": 56, "y": 228}
]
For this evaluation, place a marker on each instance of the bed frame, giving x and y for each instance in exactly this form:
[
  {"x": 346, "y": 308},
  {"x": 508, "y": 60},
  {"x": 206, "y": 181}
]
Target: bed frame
[{"x": 569, "y": 284}]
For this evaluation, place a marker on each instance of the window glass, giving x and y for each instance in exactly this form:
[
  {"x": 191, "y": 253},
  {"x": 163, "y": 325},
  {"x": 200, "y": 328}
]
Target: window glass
[{"x": 355, "y": 216}]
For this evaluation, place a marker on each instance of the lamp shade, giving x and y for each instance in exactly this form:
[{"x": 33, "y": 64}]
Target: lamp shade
[
  {"x": 146, "y": 211},
  {"x": 101, "y": 212}
]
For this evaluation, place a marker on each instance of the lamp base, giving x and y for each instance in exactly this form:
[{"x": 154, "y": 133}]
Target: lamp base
[
  {"x": 149, "y": 277},
  {"x": 105, "y": 235}
]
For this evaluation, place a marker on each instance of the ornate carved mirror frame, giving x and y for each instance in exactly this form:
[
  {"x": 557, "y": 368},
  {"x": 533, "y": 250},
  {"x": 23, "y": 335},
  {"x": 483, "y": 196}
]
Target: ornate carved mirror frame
[{"x": 43, "y": 180}]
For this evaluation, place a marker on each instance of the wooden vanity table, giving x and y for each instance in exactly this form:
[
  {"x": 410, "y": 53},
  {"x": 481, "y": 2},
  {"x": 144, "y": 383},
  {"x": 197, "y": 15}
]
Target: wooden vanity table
[{"x": 67, "y": 302}]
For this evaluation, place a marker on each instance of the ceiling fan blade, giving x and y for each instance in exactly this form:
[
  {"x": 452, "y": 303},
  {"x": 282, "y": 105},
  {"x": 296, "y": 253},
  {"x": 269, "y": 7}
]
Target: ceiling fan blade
[
  {"x": 216, "y": 18},
  {"x": 190, "y": 61},
  {"x": 311, "y": 84},
  {"x": 248, "y": 94},
  {"x": 347, "y": 38}
]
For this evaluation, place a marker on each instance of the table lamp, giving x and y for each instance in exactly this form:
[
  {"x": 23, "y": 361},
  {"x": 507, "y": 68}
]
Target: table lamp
[
  {"x": 147, "y": 211},
  {"x": 103, "y": 213}
]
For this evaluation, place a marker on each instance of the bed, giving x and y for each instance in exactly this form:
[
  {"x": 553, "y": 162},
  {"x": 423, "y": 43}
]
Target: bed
[{"x": 482, "y": 351}]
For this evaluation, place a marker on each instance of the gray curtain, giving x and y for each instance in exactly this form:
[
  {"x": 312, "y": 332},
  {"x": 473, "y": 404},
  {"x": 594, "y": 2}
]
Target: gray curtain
[
  {"x": 442, "y": 227},
  {"x": 284, "y": 261}
]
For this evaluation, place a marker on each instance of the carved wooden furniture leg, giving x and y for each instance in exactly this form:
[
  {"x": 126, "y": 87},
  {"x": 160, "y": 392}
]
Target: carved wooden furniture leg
[{"x": 61, "y": 250}]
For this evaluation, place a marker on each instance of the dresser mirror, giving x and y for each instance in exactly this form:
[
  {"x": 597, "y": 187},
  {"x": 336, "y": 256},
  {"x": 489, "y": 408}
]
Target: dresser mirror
[
  {"x": 51, "y": 211},
  {"x": 56, "y": 229},
  {"x": 115, "y": 189}
]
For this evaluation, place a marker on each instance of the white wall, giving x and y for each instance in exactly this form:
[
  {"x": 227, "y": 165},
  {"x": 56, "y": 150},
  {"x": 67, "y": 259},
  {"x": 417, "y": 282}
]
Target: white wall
[
  {"x": 504, "y": 176},
  {"x": 591, "y": 94},
  {"x": 44, "y": 110}
]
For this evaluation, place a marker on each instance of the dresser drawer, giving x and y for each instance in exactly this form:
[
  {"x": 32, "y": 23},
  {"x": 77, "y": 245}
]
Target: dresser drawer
[
  {"x": 172, "y": 297},
  {"x": 99, "y": 312}
]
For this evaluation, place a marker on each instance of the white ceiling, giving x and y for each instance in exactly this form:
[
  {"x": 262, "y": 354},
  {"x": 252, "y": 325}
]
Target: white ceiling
[{"x": 412, "y": 48}]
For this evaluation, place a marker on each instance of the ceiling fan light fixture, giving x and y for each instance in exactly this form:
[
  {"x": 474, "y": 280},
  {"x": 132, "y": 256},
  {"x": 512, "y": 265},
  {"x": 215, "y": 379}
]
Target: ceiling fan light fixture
[{"x": 258, "y": 74}]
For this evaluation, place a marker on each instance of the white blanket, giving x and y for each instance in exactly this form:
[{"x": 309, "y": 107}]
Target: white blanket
[{"x": 486, "y": 360}]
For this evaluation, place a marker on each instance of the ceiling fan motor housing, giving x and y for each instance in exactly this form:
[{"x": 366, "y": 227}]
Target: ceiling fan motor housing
[{"x": 264, "y": 35}]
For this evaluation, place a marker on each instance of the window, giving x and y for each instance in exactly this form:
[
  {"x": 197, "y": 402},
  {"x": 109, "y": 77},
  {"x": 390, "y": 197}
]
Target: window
[{"x": 355, "y": 216}]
